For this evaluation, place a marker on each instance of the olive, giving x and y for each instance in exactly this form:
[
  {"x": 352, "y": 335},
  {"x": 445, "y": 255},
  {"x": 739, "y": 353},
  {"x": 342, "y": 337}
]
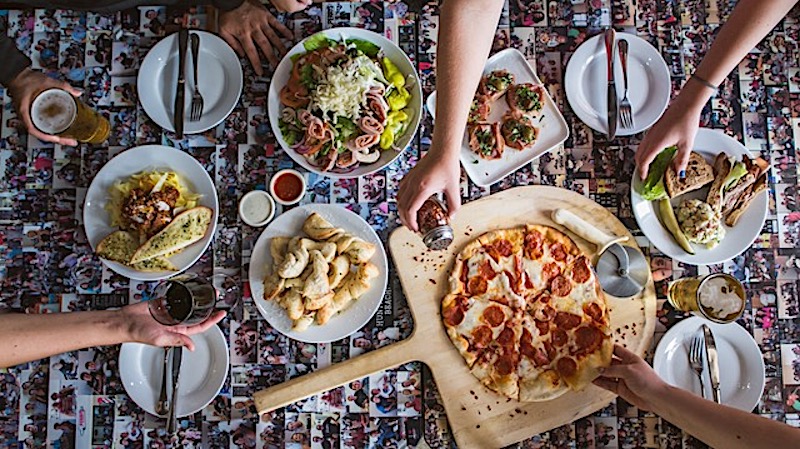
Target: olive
[{"x": 527, "y": 133}]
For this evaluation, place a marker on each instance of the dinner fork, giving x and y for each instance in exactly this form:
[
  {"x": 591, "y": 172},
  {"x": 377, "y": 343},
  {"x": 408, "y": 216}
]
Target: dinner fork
[
  {"x": 696, "y": 360},
  {"x": 197, "y": 99},
  {"x": 625, "y": 113}
]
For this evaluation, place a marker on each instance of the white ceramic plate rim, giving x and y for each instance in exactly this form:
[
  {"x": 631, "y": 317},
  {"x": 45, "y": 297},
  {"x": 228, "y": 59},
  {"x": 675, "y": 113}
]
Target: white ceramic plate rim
[
  {"x": 738, "y": 355},
  {"x": 150, "y": 93},
  {"x": 398, "y": 56},
  {"x": 96, "y": 220},
  {"x": 640, "y": 52},
  {"x": 349, "y": 320},
  {"x": 485, "y": 172},
  {"x": 737, "y": 239},
  {"x": 145, "y": 394}
]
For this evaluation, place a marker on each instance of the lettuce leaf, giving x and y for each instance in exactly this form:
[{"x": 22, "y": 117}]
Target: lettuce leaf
[
  {"x": 318, "y": 41},
  {"x": 653, "y": 186},
  {"x": 368, "y": 48}
]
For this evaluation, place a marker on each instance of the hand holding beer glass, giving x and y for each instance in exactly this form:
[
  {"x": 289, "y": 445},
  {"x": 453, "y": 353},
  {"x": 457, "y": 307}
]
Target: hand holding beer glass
[{"x": 52, "y": 113}]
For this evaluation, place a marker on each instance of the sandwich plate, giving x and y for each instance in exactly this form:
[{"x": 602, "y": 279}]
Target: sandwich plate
[
  {"x": 348, "y": 320},
  {"x": 737, "y": 239},
  {"x": 97, "y": 221}
]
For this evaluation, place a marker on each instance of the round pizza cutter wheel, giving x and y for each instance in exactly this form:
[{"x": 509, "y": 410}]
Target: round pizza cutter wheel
[{"x": 622, "y": 270}]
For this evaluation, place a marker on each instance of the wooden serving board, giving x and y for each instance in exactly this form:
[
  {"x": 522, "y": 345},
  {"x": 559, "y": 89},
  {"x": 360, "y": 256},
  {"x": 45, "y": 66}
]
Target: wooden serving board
[{"x": 480, "y": 418}]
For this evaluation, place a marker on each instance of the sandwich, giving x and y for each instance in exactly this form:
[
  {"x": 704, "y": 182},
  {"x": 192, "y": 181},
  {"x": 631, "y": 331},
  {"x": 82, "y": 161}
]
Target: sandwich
[
  {"x": 735, "y": 185},
  {"x": 698, "y": 174}
]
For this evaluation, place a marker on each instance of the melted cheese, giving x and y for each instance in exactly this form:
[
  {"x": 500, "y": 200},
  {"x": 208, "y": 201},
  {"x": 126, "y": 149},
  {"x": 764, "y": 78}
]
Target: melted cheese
[{"x": 534, "y": 270}]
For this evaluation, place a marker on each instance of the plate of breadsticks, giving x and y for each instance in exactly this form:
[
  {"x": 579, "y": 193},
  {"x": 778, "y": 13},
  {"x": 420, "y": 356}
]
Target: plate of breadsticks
[{"x": 318, "y": 273}]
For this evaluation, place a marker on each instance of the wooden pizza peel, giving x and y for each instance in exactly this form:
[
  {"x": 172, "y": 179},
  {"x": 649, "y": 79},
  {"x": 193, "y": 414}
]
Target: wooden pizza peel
[{"x": 478, "y": 417}]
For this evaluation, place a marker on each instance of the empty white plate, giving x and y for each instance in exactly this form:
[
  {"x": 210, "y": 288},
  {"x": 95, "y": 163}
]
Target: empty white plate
[
  {"x": 220, "y": 82},
  {"x": 203, "y": 372},
  {"x": 586, "y": 82},
  {"x": 741, "y": 367}
]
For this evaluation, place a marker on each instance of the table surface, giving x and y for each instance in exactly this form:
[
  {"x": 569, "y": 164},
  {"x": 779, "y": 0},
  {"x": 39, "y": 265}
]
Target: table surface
[{"x": 48, "y": 266}]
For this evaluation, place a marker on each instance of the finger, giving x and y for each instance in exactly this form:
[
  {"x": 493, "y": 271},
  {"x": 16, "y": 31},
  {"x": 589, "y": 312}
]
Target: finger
[
  {"x": 277, "y": 25},
  {"x": 232, "y": 42},
  {"x": 276, "y": 41},
  {"x": 72, "y": 90},
  {"x": 625, "y": 354},
  {"x": 207, "y": 324},
  {"x": 647, "y": 156},
  {"x": 682, "y": 160},
  {"x": 453, "y": 198},
  {"x": 252, "y": 55},
  {"x": 266, "y": 48},
  {"x": 620, "y": 371},
  {"x": 186, "y": 342},
  {"x": 416, "y": 203},
  {"x": 607, "y": 384}
]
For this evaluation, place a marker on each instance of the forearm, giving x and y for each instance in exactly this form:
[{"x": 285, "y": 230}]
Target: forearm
[
  {"x": 26, "y": 337},
  {"x": 466, "y": 33},
  {"x": 749, "y": 23},
  {"x": 720, "y": 426},
  {"x": 14, "y": 61}
]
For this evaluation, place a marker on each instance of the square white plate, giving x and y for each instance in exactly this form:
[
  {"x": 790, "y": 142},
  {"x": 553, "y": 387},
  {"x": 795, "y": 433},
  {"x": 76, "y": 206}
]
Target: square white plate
[{"x": 553, "y": 129}]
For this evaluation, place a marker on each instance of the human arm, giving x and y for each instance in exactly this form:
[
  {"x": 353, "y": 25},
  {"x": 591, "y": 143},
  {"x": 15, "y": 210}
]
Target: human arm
[
  {"x": 26, "y": 337},
  {"x": 250, "y": 27},
  {"x": 466, "y": 32},
  {"x": 716, "y": 425},
  {"x": 750, "y": 21}
]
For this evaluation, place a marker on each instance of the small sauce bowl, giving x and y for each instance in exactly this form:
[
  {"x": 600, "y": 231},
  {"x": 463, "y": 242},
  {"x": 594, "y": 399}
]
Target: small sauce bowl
[
  {"x": 287, "y": 187},
  {"x": 256, "y": 208}
]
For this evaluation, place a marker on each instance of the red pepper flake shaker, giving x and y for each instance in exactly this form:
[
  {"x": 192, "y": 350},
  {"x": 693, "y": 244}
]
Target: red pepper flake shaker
[{"x": 434, "y": 224}]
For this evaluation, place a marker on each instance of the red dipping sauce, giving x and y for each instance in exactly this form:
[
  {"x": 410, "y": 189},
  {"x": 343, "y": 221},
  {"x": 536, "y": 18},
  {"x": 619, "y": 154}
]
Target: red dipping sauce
[{"x": 288, "y": 187}]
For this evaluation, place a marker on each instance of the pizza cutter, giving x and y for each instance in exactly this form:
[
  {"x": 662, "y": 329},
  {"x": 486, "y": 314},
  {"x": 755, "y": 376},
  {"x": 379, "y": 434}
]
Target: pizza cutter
[{"x": 622, "y": 270}]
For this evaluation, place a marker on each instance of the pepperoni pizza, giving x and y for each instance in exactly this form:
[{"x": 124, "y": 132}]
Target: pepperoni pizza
[{"x": 527, "y": 313}]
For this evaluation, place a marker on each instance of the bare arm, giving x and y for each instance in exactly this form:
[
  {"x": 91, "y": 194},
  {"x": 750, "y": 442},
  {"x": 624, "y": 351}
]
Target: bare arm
[
  {"x": 466, "y": 33},
  {"x": 717, "y": 425},
  {"x": 26, "y": 337},
  {"x": 750, "y": 21}
]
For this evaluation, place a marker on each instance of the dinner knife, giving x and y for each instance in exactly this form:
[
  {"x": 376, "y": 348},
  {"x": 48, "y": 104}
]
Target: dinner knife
[
  {"x": 613, "y": 108},
  {"x": 712, "y": 357},
  {"x": 172, "y": 421},
  {"x": 183, "y": 42}
]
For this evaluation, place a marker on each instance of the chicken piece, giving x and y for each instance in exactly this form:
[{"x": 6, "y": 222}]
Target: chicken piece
[{"x": 149, "y": 212}]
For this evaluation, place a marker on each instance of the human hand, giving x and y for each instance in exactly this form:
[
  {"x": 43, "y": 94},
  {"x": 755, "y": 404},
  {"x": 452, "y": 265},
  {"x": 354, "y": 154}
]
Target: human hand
[
  {"x": 436, "y": 172},
  {"x": 678, "y": 126},
  {"x": 251, "y": 24},
  {"x": 632, "y": 378},
  {"x": 141, "y": 327},
  {"x": 24, "y": 88},
  {"x": 290, "y": 5}
]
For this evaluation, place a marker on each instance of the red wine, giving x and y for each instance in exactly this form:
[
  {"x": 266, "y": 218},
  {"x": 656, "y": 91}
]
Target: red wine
[{"x": 179, "y": 301}]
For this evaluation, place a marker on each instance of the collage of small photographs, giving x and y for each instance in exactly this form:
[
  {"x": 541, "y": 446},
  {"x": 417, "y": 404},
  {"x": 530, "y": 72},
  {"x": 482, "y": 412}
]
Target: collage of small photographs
[{"x": 47, "y": 265}]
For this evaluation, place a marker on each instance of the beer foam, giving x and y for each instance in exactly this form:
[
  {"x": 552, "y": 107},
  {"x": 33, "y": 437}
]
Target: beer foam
[
  {"x": 53, "y": 111},
  {"x": 717, "y": 294}
]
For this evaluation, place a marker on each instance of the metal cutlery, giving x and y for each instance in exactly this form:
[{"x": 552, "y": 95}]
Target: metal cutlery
[
  {"x": 197, "y": 99},
  {"x": 162, "y": 406},
  {"x": 625, "y": 112},
  {"x": 712, "y": 358},
  {"x": 611, "y": 44},
  {"x": 172, "y": 421},
  {"x": 183, "y": 40},
  {"x": 696, "y": 360}
]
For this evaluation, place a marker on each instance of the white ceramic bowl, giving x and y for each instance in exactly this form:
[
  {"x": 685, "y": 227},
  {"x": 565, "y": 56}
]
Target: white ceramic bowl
[
  {"x": 250, "y": 196},
  {"x": 278, "y": 175},
  {"x": 393, "y": 52}
]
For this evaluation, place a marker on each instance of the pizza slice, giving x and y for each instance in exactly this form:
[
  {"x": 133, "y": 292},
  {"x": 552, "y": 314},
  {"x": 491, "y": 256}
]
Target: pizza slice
[
  {"x": 496, "y": 367},
  {"x": 538, "y": 380},
  {"x": 474, "y": 323}
]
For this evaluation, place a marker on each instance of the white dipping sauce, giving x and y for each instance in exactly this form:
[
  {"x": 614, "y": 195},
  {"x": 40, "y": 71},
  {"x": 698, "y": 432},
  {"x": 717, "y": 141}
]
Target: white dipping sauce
[{"x": 256, "y": 207}]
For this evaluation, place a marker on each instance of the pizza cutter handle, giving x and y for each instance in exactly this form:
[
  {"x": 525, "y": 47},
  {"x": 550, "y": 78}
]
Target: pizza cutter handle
[
  {"x": 585, "y": 230},
  {"x": 336, "y": 375}
]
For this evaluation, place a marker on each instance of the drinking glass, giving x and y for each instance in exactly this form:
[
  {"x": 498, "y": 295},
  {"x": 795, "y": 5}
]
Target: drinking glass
[
  {"x": 718, "y": 297},
  {"x": 190, "y": 299}
]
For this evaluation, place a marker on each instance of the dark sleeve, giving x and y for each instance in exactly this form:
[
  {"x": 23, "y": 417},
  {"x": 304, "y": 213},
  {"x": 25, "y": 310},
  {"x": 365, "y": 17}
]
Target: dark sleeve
[
  {"x": 227, "y": 5},
  {"x": 14, "y": 61}
]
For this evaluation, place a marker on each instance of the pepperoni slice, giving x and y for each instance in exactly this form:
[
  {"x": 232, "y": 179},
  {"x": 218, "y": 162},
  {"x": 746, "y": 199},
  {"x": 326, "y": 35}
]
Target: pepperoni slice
[
  {"x": 543, "y": 326},
  {"x": 485, "y": 270},
  {"x": 540, "y": 358},
  {"x": 526, "y": 344},
  {"x": 566, "y": 367},
  {"x": 481, "y": 337},
  {"x": 566, "y": 320},
  {"x": 494, "y": 316},
  {"x": 533, "y": 245},
  {"x": 594, "y": 311},
  {"x": 545, "y": 313},
  {"x": 528, "y": 282},
  {"x": 581, "y": 272},
  {"x": 557, "y": 251},
  {"x": 477, "y": 286},
  {"x": 550, "y": 271},
  {"x": 588, "y": 339},
  {"x": 560, "y": 286},
  {"x": 550, "y": 350},
  {"x": 453, "y": 315},
  {"x": 503, "y": 247},
  {"x": 501, "y": 299},
  {"x": 512, "y": 281},
  {"x": 506, "y": 337},
  {"x": 559, "y": 337},
  {"x": 505, "y": 365},
  {"x": 464, "y": 273}
]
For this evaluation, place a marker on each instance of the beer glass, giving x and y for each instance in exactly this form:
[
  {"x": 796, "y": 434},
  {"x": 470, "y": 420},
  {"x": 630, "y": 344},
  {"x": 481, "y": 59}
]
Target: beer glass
[
  {"x": 57, "y": 112},
  {"x": 717, "y": 297}
]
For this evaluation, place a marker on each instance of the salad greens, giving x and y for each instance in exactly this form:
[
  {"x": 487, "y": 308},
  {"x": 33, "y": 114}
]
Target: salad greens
[{"x": 653, "y": 186}]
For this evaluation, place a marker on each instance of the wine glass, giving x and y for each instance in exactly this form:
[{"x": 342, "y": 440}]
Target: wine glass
[{"x": 189, "y": 299}]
